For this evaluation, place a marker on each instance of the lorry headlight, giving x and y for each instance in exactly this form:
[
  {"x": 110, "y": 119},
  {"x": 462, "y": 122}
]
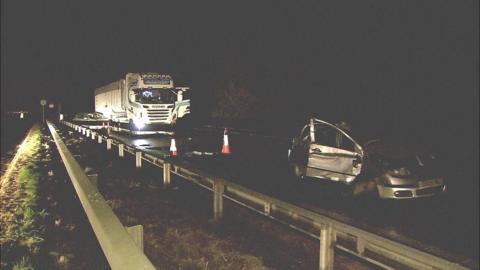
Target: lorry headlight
[{"x": 138, "y": 123}]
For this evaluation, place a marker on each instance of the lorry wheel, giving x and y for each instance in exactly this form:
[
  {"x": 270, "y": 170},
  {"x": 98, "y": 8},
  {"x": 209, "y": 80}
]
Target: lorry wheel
[{"x": 131, "y": 126}]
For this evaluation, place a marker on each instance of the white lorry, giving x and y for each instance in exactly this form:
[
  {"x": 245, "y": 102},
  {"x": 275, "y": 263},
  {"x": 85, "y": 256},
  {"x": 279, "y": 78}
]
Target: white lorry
[{"x": 142, "y": 103}]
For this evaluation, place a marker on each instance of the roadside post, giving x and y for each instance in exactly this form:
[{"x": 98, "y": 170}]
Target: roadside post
[{"x": 43, "y": 102}]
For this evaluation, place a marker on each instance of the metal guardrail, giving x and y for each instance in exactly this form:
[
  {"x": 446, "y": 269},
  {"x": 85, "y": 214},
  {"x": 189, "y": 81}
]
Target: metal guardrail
[
  {"x": 331, "y": 233},
  {"x": 117, "y": 244}
]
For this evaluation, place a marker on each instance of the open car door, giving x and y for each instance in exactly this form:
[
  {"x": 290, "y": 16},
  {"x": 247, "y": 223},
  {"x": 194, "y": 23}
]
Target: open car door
[{"x": 332, "y": 153}]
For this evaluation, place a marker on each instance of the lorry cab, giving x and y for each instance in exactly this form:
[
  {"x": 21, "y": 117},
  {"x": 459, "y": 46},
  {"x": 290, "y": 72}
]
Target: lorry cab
[
  {"x": 143, "y": 103},
  {"x": 153, "y": 99},
  {"x": 323, "y": 150}
]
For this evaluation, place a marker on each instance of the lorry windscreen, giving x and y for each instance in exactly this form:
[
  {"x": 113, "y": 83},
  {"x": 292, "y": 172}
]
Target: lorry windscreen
[{"x": 154, "y": 95}]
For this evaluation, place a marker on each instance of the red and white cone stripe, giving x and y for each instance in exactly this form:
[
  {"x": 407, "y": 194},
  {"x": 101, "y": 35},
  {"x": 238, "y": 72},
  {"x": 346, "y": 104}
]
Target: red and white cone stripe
[
  {"x": 173, "y": 148},
  {"x": 226, "y": 146}
]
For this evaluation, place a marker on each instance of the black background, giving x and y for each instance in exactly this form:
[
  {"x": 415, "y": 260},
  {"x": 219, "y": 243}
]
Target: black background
[{"x": 403, "y": 66}]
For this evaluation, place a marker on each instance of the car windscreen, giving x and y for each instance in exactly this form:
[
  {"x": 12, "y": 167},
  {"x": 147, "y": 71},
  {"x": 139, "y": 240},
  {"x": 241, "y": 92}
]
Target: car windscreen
[{"x": 407, "y": 161}]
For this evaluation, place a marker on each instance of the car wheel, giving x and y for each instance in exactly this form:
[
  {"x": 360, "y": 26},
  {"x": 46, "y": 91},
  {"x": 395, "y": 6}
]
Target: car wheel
[
  {"x": 349, "y": 191},
  {"x": 298, "y": 172},
  {"x": 377, "y": 191}
]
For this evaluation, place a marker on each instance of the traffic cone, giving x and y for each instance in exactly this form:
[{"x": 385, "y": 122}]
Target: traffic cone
[
  {"x": 173, "y": 148},
  {"x": 226, "y": 147}
]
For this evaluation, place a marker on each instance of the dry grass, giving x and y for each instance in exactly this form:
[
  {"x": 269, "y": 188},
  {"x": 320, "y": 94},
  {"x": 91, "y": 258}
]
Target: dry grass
[{"x": 194, "y": 248}]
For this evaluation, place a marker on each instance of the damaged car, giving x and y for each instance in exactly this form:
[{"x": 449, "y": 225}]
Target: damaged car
[
  {"x": 93, "y": 120},
  {"x": 325, "y": 151},
  {"x": 402, "y": 173}
]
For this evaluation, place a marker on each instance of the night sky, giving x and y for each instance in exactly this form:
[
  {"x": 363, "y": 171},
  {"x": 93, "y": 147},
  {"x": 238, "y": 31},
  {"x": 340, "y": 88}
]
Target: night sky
[{"x": 411, "y": 64}]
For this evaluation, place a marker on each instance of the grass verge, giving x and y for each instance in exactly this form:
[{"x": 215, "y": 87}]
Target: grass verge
[{"x": 20, "y": 217}]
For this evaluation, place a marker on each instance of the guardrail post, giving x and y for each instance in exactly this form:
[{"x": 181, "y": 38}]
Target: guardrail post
[
  {"x": 93, "y": 179},
  {"x": 120, "y": 149},
  {"x": 360, "y": 246},
  {"x": 166, "y": 174},
  {"x": 93, "y": 135},
  {"x": 326, "y": 248},
  {"x": 267, "y": 207},
  {"x": 136, "y": 232},
  {"x": 109, "y": 144},
  {"x": 87, "y": 133},
  {"x": 218, "y": 189},
  {"x": 84, "y": 130},
  {"x": 138, "y": 159},
  {"x": 99, "y": 138}
]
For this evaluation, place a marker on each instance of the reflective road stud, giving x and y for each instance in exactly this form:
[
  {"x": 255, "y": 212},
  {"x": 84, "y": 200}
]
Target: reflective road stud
[
  {"x": 109, "y": 144},
  {"x": 138, "y": 159}
]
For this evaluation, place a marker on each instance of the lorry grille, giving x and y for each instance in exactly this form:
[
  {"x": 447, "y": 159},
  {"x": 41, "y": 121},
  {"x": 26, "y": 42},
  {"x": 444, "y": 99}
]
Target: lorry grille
[{"x": 158, "y": 114}]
